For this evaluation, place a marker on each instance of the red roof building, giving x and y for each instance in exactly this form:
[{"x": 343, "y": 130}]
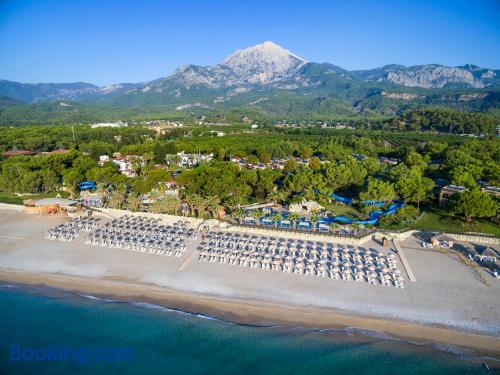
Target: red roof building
[{"x": 17, "y": 153}]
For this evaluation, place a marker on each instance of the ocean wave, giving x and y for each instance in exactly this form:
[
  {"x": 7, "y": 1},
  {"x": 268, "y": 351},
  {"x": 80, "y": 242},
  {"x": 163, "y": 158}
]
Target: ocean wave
[
  {"x": 153, "y": 306},
  {"x": 441, "y": 347},
  {"x": 9, "y": 286},
  {"x": 89, "y": 296}
]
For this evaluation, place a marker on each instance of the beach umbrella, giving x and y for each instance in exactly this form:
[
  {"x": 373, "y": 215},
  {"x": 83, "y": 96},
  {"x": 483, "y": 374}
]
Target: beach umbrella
[
  {"x": 288, "y": 265},
  {"x": 322, "y": 271}
]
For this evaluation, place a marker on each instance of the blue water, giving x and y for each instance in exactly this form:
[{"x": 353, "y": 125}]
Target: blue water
[{"x": 170, "y": 342}]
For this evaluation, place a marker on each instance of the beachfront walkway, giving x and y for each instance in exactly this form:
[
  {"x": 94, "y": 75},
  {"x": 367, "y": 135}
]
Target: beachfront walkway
[{"x": 404, "y": 261}]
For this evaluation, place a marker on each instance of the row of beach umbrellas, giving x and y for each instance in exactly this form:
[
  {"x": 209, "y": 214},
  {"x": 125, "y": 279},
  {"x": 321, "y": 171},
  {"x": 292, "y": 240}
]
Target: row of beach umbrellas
[
  {"x": 70, "y": 229},
  {"x": 145, "y": 235},
  {"x": 302, "y": 257}
]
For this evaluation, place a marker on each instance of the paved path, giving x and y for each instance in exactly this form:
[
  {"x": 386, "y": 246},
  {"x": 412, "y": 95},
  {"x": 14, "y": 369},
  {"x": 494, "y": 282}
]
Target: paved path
[
  {"x": 406, "y": 264},
  {"x": 193, "y": 254},
  {"x": 13, "y": 237}
]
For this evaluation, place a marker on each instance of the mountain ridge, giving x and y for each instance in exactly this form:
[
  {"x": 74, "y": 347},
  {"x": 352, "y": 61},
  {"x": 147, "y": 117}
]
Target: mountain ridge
[
  {"x": 268, "y": 79},
  {"x": 263, "y": 65}
]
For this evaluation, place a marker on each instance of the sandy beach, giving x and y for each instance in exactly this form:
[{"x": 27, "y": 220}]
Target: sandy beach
[{"x": 448, "y": 303}]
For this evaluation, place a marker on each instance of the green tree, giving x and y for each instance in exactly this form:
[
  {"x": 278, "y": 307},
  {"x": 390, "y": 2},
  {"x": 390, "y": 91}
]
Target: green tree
[
  {"x": 276, "y": 196},
  {"x": 291, "y": 166},
  {"x": 213, "y": 205},
  {"x": 305, "y": 152},
  {"x": 466, "y": 175},
  {"x": 378, "y": 190},
  {"x": 133, "y": 202},
  {"x": 314, "y": 220},
  {"x": 117, "y": 199},
  {"x": 473, "y": 204},
  {"x": 252, "y": 159},
  {"x": 294, "y": 217},
  {"x": 412, "y": 186},
  {"x": 276, "y": 217},
  {"x": 238, "y": 214},
  {"x": 264, "y": 156},
  {"x": 257, "y": 214},
  {"x": 314, "y": 163}
]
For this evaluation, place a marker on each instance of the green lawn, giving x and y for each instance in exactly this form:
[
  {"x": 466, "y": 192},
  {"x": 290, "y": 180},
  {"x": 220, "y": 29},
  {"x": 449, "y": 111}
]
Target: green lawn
[
  {"x": 343, "y": 210},
  {"x": 10, "y": 198},
  {"x": 16, "y": 199},
  {"x": 440, "y": 220}
]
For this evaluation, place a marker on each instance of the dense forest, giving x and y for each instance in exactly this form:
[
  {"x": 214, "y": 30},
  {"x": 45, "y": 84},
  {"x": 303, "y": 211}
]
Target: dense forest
[
  {"x": 344, "y": 162},
  {"x": 449, "y": 121}
]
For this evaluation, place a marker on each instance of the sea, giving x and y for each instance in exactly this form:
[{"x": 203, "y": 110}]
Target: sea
[{"x": 51, "y": 331}]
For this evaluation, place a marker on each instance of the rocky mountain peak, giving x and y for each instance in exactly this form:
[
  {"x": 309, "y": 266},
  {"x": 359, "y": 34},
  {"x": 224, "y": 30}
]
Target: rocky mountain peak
[{"x": 264, "y": 63}]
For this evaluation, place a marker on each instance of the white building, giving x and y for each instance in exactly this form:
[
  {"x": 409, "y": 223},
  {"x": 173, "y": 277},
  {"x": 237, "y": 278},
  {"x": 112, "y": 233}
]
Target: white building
[
  {"x": 118, "y": 124},
  {"x": 125, "y": 163},
  {"x": 188, "y": 160}
]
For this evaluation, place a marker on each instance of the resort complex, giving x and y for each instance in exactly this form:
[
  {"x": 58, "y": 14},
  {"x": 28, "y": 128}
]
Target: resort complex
[{"x": 260, "y": 213}]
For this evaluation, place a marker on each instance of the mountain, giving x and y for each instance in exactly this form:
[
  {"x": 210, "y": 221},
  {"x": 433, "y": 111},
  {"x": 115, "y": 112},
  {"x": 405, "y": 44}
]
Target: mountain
[
  {"x": 37, "y": 92},
  {"x": 261, "y": 65},
  {"x": 273, "y": 80},
  {"x": 433, "y": 76}
]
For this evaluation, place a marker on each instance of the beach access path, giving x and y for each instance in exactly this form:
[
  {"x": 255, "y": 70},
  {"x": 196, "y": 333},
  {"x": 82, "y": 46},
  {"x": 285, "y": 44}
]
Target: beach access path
[{"x": 404, "y": 261}]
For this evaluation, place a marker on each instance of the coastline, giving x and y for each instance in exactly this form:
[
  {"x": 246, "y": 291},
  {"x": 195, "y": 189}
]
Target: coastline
[{"x": 256, "y": 312}]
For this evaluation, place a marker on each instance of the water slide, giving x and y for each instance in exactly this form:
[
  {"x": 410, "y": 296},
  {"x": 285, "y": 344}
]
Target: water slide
[{"x": 372, "y": 218}]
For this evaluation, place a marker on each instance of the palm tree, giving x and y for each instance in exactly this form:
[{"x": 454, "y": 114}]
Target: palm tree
[
  {"x": 191, "y": 200},
  {"x": 117, "y": 199},
  {"x": 294, "y": 217},
  {"x": 134, "y": 202},
  {"x": 173, "y": 203},
  {"x": 154, "y": 195},
  {"x": 201, "y": 205},
  {"x": 257, "y": 214},
  {"x": 276, "y": 217},
  {"x": 333, "y": 226},
  {"x": 157, "y": 207},
  {"x": 314, "y": 219},
  {"x": 138, "y": 165},
  {"x": 101, "y": 191},
  {"x": 213, "y": 205},
  {"x": 148, "y": 157},
  {"x": 233, "y": 203},
  {"x": 276, "y": 196},
  {"x": 238, "y": 214}
]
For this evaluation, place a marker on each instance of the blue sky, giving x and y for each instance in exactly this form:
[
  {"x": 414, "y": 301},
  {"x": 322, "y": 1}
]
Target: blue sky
[{"x": 107, "y": 41}]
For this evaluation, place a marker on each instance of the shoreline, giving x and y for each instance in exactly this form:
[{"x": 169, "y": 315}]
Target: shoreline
[{"x": 256, "y": 312}]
